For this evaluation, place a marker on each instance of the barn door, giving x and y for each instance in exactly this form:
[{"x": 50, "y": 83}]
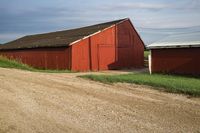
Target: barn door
[{"x": 105, "y": 56}]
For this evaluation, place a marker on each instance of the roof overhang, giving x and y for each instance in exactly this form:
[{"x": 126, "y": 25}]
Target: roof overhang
[
  {"x": 174, "y": 45},
  {"x": 90, "y": 35},
  {"x": 97, "y": 32}
]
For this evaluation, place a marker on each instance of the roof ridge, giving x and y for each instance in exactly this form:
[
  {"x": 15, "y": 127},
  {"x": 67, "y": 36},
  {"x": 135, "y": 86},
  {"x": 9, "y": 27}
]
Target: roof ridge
[
  {"x": 118, "y": 20},
  {"x": 58, "y": 38}
]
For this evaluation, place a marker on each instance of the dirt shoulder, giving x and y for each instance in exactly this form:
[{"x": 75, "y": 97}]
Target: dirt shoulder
[{"x": 45, "y": 102}]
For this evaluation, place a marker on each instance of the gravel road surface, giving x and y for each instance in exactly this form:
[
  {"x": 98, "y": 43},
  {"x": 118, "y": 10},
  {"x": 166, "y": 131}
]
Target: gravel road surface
[{"x": 33, "y": 102}]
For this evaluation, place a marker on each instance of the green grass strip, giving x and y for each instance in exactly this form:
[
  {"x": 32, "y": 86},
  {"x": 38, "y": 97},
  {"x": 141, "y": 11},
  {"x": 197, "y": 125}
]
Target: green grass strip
[
  {"x": 146, "y": 54},
  {"x": 169, "y": 83}
]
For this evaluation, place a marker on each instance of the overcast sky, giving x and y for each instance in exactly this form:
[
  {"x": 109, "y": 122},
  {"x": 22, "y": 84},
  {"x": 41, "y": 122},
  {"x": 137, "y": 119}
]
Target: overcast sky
[{"x": 22, "y": 17}]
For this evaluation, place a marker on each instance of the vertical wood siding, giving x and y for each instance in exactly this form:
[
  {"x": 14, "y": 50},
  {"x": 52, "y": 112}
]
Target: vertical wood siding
[
  {"x": 130, "y": 48},
  {"x": 45, "y": 58},
  {"x": 114, "y": 48},
  {"x": 178, "y": 61}
]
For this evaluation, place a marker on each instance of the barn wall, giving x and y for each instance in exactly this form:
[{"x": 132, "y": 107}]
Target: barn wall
[
  {"x": 95, "y": 53},
  {"x": 46, "y": 58},
  {"x": 80, "y": 56},
  {"x": 178, "y": 61},
  {"x": 103, "y": 50},
  {"x": 130, "y": 48},
  {"x": 114, "y": 48}
]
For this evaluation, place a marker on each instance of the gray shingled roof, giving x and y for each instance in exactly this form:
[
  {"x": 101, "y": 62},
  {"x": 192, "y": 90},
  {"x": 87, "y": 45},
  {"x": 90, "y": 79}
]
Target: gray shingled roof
[
  {"x": 184, "y": 40},
  {"x": 56, "y": 39}
]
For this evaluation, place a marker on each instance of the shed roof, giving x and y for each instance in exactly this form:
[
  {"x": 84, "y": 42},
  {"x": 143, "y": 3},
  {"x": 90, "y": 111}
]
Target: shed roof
[
  {"x": 184, "y": 40},
  {"x": 56, "y": 39}
]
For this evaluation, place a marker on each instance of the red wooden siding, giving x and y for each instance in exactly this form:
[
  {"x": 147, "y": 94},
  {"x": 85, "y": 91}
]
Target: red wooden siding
[
  {"x": 48, "y": 58},
  {"x": 130, "y": 48},
  {"x": 94, "y": 53},
  {"x": 80, "y": 56},
  {"x": 114, "y": 48},
  {"x": 179, "y": 61},
  {"x": 103, "y": 50}
]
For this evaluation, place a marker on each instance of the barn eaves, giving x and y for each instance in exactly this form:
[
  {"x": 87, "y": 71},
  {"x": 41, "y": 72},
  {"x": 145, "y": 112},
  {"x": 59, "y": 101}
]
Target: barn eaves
[{"x": 56, "y": 39}]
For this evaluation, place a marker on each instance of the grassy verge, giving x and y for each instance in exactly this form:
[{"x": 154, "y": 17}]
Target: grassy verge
[
  {"x": 146, "y": 54},
  {"x": 6, "y": 63},
  {"x": 169, "y": 83}
]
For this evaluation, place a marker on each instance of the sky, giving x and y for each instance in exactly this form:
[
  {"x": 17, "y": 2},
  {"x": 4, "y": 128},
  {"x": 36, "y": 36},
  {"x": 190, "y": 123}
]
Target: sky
[{"x": 153, "y": 18}]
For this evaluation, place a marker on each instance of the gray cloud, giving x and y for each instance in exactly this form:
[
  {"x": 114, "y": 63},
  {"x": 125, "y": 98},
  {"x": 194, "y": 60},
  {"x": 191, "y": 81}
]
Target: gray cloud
[
  {"x": 16, "y": 21},
  {"x": 9, "y": 36},
  {"x": 34, "y": 20},
  {"x": 180, "y": 5},
  {"x": 133, "y": 6},
  {"x": 192, "y": 4}
]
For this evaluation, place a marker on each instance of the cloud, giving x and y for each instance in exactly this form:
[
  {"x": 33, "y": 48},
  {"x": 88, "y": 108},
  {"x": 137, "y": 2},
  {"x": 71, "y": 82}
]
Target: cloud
[
  {"x": 190, "y": 5},
  {"x": 6, "y": 37},
  {"x": 149, "y": 5},
  {"x": 32, "y": 17},
  {"x": 38, "y": 19},
  {"x": 133, "y": 6}
]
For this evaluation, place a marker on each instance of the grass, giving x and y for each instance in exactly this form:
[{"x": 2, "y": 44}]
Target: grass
[
  {"x": 146, "y": 54},
  {"x": 7, "y": 63},
  {"x": 169, "y": 83}
]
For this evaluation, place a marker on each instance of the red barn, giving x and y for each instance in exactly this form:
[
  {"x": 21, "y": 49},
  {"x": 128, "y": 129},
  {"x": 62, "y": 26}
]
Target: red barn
[
  {"x": 177, "y": 54},
  {"x": 111, "y": 45}
]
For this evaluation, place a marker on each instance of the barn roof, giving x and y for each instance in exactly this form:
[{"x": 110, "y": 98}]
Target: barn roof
[
  {"x": 184, "y": 40},
  {"x": 56, "y": 39}
]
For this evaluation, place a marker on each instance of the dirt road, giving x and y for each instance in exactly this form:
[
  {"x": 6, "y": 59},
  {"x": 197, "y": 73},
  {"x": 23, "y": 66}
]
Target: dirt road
[{"x": 56, "y": 103}]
